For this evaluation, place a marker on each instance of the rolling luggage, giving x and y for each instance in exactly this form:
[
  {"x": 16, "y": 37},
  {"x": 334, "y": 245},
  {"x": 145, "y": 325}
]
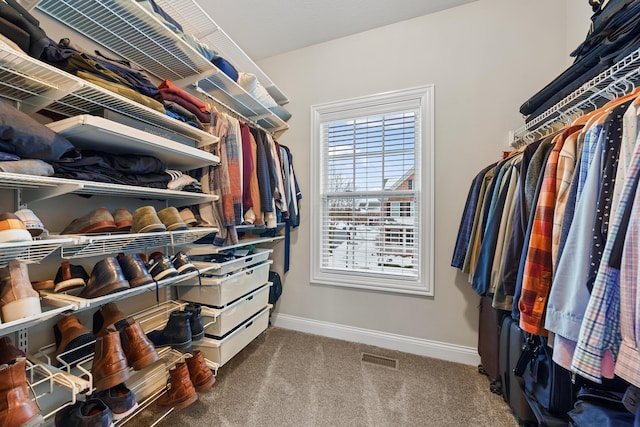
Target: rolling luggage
[
  {"x": 512, "y": 340},
  {"x": 488, "y": 343}
]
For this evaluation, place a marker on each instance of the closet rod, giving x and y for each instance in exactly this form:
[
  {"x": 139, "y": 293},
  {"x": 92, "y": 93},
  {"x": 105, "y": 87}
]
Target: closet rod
[
  {"x": 230, "y": 110},
  {"x": 592, "y": 94}
]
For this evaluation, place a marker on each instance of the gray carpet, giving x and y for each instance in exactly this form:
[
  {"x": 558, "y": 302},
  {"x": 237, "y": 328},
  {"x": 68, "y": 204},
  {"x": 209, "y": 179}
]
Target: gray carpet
[{"x": 287, "y": 378}]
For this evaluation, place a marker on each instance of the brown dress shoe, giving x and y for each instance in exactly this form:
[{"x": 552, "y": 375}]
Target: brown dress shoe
[
  {"x": 200, "y": 374},
  {"x": 16, "y": 409},
  {"x": 181, "y": 392},
  {"x": 137, "y": 347},
  {"x": 110, "y": 366}
]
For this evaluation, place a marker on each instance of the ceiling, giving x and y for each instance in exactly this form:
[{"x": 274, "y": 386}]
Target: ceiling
[{"x": 264, "y": 28}]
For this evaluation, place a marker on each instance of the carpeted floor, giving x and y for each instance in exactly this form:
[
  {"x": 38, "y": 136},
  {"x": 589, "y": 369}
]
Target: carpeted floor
[{"x": 286, "y": 378}]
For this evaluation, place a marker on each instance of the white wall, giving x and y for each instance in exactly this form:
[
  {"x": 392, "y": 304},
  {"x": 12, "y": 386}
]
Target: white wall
[{"x": 485, "y": 58}]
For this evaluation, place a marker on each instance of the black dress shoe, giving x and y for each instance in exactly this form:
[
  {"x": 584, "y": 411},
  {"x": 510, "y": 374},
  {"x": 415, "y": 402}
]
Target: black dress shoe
[
  {"x": 106, "y": 278},
  {"x": 177, "y": 332},
  {"x": 161, "y": 267},
  {"x": 134, "y": 270},
  {"x": 88, "y": 413}
]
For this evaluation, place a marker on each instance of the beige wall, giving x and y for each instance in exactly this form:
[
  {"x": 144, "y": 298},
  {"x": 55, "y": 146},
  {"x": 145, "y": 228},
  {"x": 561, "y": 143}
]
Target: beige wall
[{"x": 485, "y": 59}]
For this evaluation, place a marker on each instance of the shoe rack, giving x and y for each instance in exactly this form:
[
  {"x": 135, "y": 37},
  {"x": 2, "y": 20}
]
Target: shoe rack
[{"x": 240, "y": 312}]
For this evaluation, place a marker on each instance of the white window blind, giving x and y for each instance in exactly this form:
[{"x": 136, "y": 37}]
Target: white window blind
[{"x": 372, "y": 181}]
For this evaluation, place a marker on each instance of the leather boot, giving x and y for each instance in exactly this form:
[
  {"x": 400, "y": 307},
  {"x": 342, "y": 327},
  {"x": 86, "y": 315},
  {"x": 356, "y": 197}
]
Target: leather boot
[
  {"x": 181, "y": 393},
  {"x": 17, "y": 297},
  {"x": 195, "y": 321},
  {"x": 108, "y": 315},
  {"x": 16, "y": 409},
  {"x": 72, "y": 339},
  {"x": 177, "y": 332},
  {"x": 200, "y": 374},
  {"x": 110, "y": 366},
  {"x": 137, "y": 347},
  {"x": 9, "y": 352}
]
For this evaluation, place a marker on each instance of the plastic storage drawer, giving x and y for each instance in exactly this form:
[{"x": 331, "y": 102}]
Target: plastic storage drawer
[
  {"x": 229, "y": 317},
  {"x": 220, "y": 268},
  {"x": 219, "y": 291},
  {"x": 222, "y": 350}
]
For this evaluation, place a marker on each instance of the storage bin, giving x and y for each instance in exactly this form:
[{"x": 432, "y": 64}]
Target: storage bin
[
  {"x": 235, "y": 313},
  {"x": 218, "y": 291},
  {"x": 222, "y": 350},
  {"x": 220, "y": 268}
]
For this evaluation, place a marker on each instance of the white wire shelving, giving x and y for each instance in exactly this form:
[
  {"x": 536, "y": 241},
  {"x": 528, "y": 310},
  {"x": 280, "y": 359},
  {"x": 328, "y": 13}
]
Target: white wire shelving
[{"x": 615, "y": 81}]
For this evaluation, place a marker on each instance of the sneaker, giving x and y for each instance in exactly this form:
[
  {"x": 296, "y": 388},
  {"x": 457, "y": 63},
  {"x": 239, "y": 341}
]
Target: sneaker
[
  {"x": 91, "y": 412},
  {"x": 97, "y": 221},
  {"x": 161, "y": 267},
  {"x": 119, "y": 399},
  {"x": 30, "y": 221},
  {"x": 12, "y": 229},
  {"x": 17, "y": 298},
  {"x": 182, "y": 263}
]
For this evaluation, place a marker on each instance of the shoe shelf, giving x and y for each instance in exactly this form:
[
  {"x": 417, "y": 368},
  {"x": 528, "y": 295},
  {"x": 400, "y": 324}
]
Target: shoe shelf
[
  {"x": 49, "y": 310},
  {"x": 88, "y": 132},
  {"x": 105, "y": 244},
  {"x": 53, "y": 388},
  {"x": 34, "y": 188},
  {"x": 29, "y": 251},
  {"x": 36, "y": 85},
  {"x": 75, "y": 377},
  {"x": 78, "y": 303},
  {"x": 207, "y": 249},
  {"x": 133, "y": 32}
]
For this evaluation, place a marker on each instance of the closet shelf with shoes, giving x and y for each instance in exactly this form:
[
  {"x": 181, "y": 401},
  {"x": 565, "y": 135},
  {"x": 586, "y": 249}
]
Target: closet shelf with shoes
[
  {"x": 49, "y": 310},
  {"x": 104, "y": 244},
  {"x": 79, "y": 303},
  {"x": 171, "y": 53},
  {"x": 36, "y": 85},
  {"x": 34, "y": 188}
]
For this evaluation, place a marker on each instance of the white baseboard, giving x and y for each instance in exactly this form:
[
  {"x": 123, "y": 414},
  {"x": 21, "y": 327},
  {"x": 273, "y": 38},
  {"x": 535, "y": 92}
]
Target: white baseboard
[{"x": 419, "y": 346}]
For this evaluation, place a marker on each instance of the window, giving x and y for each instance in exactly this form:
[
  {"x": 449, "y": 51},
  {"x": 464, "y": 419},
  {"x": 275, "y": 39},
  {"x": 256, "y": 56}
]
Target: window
[{"x": 372, "y": 183}]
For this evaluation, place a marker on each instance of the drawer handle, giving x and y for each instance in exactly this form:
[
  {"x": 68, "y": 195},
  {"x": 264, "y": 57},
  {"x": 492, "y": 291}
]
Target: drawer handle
[
  {"x": 249, "y": 298},
  {"x": 248, "y": 324},
  {"x": 248, "y": 259},
  {"x": 250, "y": 272}
]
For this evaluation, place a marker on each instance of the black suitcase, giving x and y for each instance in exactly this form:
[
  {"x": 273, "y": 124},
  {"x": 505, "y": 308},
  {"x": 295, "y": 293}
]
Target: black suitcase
[
  {"x": 488, "y": 343},
  {"x": 512, "y": 339}
]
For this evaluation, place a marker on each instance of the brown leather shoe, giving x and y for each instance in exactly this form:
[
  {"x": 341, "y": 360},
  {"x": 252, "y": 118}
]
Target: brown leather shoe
[
  {"x": 72, "y": 340},
  {"x": 105, "y": 317},
  {"x": 16, "y": 409},
  {"x": 9, "y": 352},
  {"x": 137, "y": 347},
  {"x": 110, "y": 366},
  {"x": 200, "y": 374},
  {"x": 181, "y": 392},
  {"x": 17, "y": 297}
]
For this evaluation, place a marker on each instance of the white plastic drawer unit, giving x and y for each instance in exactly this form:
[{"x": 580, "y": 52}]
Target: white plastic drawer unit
[
  {"x": 222, "y": 350},
  {"x": 218, "y": 291},
  {"x": 234, "y": 264},
  {"x": 235, "y": 313}
]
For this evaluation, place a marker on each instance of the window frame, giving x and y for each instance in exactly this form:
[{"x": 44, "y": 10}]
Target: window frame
[{"x": 423, "y": 98}]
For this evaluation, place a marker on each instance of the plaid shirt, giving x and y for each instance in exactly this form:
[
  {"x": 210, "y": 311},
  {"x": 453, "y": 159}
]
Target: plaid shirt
[
  {"x": 536, "y": 279},
  {"x": 600, "y": 334}
]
